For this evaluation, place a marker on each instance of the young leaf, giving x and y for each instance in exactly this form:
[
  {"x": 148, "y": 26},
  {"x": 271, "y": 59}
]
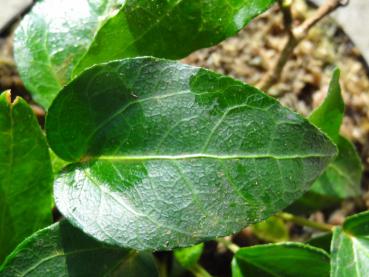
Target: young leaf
[
  {"x": 273, "y": 229},
  {"x": 342, "y": 178},
  {"x": 52, "y": 39},
  {"x": 350, "y": 247},
  {"x": 169, "y": 29},
  {"x": 177, "y": 153},
  {"x": 328, "y": 116},
  {"x": 25, "y": 174},
  {"x": 289, "y": 259},
  {"x": 63, "y": 250},
  {"x": 189, "y": 256}
]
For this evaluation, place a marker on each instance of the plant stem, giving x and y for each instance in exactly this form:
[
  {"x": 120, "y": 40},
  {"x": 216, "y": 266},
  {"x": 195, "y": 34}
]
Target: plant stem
[
  {"x": 229, "y": 244},
  {"x": 295, "y": 36},
  {"x": 305, "y": 222},
  {"x": 198, "y": 271}
]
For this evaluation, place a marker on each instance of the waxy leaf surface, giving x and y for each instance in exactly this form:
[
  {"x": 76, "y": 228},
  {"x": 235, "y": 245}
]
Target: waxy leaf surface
[
  {"x": 54, "y": 37},
  {"x": 167, "y": 155},
  {"x": 25, "y": 174},
  {"x": 63, "y": 250},
  {"x": 350, "y": 247},
  {"x": 281, "y": 260}
]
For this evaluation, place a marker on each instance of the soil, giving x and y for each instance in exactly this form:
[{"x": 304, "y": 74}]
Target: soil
[{"x": 303, "y": 86}]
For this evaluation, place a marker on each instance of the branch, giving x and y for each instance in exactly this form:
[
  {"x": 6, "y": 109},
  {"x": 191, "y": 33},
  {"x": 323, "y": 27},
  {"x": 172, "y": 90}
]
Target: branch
[
  {"x": 305, "y": 222},
  {"x": 295, "y": 36}
]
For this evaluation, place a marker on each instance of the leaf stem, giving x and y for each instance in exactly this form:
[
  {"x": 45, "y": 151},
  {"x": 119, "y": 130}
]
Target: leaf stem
[
  {"x": 198, "y": 271},
  {"x": 305, "y": 222},
  {"x": 229, "y": 244}
]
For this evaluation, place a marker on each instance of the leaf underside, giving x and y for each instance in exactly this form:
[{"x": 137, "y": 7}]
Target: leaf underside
[{"x": 167, "y": 155}]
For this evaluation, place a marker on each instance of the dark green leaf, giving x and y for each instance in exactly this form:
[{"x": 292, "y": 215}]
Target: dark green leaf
[
  {"x": 177, "y": 153},
  {"x": 52, "y": 38},
  {"x": 63, "y": 250},
  {"x": 321, "y": 241},
  {"x": 272, "y": 229},
  {"x": 328, "y": 116},
  {"x": 350, "y": 247},
  {"x": 342, "y": 178},
  {"x": 189, "y": 256},
  {"x": 25, "y": 174},
  {"x": 281, "y": 260},
  {"x": 169, "y": 29}
]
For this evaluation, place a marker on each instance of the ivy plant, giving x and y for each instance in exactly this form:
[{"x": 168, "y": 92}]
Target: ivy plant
[{"x": 150, "y": 154}]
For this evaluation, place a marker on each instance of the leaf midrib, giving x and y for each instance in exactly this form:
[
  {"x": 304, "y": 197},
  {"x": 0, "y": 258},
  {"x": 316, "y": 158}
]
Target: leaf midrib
[{"x": 207, "y": 156}]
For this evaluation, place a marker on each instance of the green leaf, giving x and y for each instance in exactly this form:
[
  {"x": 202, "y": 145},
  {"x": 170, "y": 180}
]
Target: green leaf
[
  {"x": 321, "y": 241},
  {"x": 328, "y": 116},
  {"x": 282, "y": 259},
  {"x": 169, "y": 29},
  {"x": 342, "y": 178},
  {"x": 272, "y": 229},
  {"x": 57, "y": 163},
  {"x": 350, "y": 247},
  {"x": 63, "y": 250},
  {"x": 179, "y": 154},
  {"x": 25, "y": 174},
  {"x": 53, "y": 38},
  {"x": 189, "y": 256}
]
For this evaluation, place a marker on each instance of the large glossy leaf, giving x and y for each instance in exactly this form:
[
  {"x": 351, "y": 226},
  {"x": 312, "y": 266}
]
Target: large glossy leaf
[
  {"x": 281, "y": 260},
  {"x": 350, "y": 247},
  {"x": 52, "y": 39},
  {"x": 342, "y": 178},
  {"x": 63, "y": 250},
  {"x": 25, "y": 174},
  {"x": 167, "y": 155},
  {"x": 169, "y": 29}
]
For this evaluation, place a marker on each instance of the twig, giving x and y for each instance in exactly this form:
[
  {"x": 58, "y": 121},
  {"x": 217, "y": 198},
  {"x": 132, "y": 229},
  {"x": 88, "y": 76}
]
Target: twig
[
  {"x": 305, "y": 222},
  {"x": 229, "y": 244},
  {"x": 295, "y": 36}
]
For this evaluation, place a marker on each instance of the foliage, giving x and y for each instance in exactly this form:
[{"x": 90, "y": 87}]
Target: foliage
[{"x": 151, "y": 154}]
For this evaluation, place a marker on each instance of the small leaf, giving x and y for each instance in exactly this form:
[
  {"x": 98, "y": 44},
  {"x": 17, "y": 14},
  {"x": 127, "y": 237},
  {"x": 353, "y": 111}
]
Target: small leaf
[
  {"x": 281, "y": 260},
  {"x": 25, "y": 174},
  {"x": 169, "y": 29},
  {"x": 273, "y": 229},
  {"x": 55, "y": 35},
  {"x": 189, "y": 256},
  {"x": 350, "y": 247},
  {"x": 179, "y": 154},
  {"x": 57, "y": 163},
  {"x": 328, "y": 116},
  {"x": 63, "y": 250},
  {"x": 52, "y": 38},
  {"x": 342, "y": 178}
]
